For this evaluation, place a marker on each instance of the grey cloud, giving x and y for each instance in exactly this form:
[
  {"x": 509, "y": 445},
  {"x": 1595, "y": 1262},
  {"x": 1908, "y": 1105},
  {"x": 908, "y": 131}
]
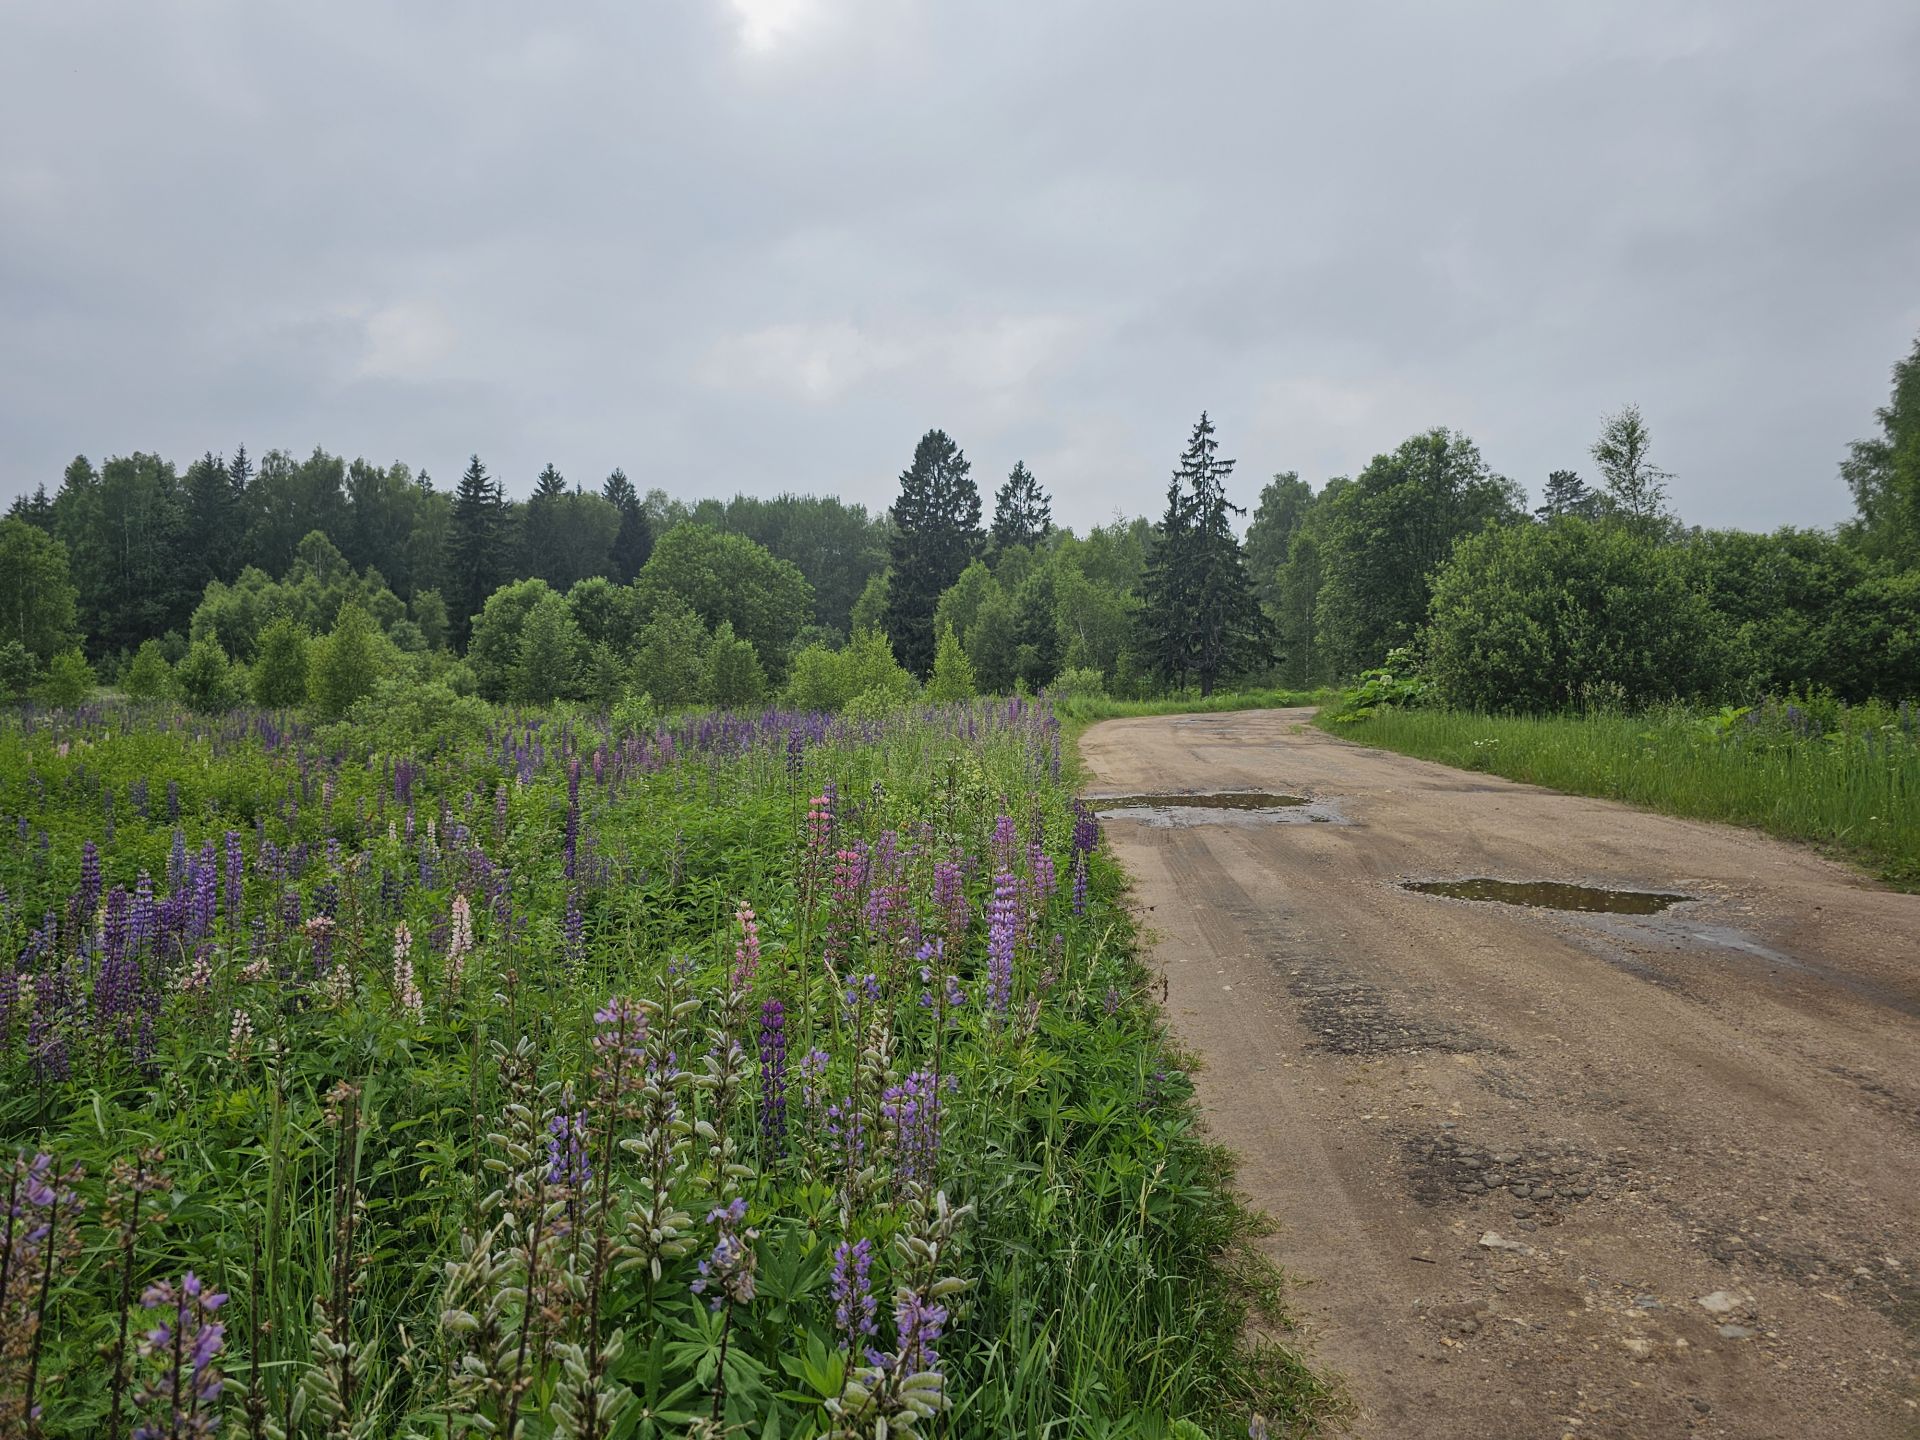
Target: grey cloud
[{"x": 764, "y": 243}]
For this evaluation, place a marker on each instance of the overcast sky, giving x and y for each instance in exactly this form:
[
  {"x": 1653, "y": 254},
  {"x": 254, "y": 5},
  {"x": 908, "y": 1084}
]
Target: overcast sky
[{"x": 764, "y": 244}]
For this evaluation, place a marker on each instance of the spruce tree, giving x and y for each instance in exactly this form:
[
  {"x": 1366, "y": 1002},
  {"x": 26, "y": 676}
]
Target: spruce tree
[
  {"x": 479, "y": 523},
  {"x": 1200, "y": 617},
  {"x": 936, "y": 534},
  {"x": 1021, "y": 512},
  {"x": 634, "y": 541},
  {"x": 1566, "y": 493},
  {"x": 540, "y": 526},
  {"x": 216, "y": 519}
]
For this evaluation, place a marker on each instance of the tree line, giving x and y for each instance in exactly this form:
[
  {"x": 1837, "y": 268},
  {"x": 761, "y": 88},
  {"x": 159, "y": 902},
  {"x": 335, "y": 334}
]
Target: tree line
[{"x": 229, "y": 581}]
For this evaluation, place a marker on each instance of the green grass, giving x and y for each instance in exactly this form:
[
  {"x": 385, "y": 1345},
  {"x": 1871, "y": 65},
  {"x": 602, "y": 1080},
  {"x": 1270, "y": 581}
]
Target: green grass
[{"x": 1843, "y": 778}]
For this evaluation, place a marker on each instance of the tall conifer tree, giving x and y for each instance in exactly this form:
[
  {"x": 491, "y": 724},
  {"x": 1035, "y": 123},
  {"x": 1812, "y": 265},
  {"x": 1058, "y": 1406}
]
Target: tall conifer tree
[
  {"x": 634, "y": 541},
  {"x": 1022, "y": 514},
  {"x": 479, "y": 538},
  {"x": 936, "y": 533}
]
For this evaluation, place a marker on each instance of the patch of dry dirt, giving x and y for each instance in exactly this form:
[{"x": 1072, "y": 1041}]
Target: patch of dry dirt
[{"x": 1511, "y": 1150}]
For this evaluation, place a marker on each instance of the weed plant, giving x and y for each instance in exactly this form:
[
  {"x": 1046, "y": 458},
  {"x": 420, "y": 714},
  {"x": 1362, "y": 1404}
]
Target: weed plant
[{"x": 522, "y": 1076}]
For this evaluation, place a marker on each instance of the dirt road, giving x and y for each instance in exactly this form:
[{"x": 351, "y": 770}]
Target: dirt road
[{"x": 1510, "y": 1150}]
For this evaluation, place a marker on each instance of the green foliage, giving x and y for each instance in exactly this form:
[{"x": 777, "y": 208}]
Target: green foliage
[
  {"x": 952, "y": 677},
  {"x": 280, "y": 665},
  {"x": 1022, "y": 514},
  {"x": 670, "y": 662},
  {"x": 477, "y": 555},
  {"x": 1084, "y": 683},
  {"x": 1884, "y": 472},
  {"x": 936, "y": 532},
  {"x": 495, "y": 650},
  {"x": 404, "y": 716},
  {"x": 1387, "y": 533},
  {"x": 205, "y": 679},
  {"x": 148, "y": 675},
  {"x": 1198, "y": 613},
  {"x": 826, "y": 679},
  {"x": 429, "y": 613},
  {"x": 36, "y": 593},
  {"x": 17, "y": 671},
  {"x": 1397, "y": 684},
  {"x": 1635, "y": 488},
  {"x": 1533, "y": 617},
  {"x": 549, "y": 662},
  {"x": 728, "y": 578},
  {"x": 734, "y": 678},
  {"x": 66, "y": 681},
  {"x": 344, "y": 665}
]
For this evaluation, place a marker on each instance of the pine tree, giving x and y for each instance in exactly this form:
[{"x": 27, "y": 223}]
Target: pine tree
[
  {"x": 1022, "y": 514},
  {"x": 1566, "y": 493},
  {"x": 1200, "y": 616},
  {"x": 634, "y": 541},
  {"x": 936, "y": 533},
  {"x": 540, "y": 541},
  {"x": 479, "y": 523}
]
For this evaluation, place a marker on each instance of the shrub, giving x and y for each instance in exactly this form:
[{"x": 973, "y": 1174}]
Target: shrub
[
  {"x": 952, "y": 677},
  {"x": 549, "y": 662},
  {"x": 17, "y": 670},
  {"x": 149, "y": 676},
  {"x": 671, "y": 661},
  {"x": 344, "y": 665},
  {"x": 1524, "y": 616},
  {"x": 735, "y": 677},
  {"x": 1081, "y": 683},
  {"x": 205, "y": 678},
  {"x": 68, "y": 680},
  {"x": 280, "y": 666}
]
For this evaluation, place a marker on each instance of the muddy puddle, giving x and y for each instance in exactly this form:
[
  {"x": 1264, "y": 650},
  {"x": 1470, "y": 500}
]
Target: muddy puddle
[
  {"x": 1218, "y": 807},
  {"x": 1551, "y": 895}
]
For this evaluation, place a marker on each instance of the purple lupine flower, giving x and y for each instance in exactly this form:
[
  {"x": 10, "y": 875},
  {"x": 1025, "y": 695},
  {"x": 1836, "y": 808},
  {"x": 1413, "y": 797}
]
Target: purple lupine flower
[
  {"x": 728, "y": 1269},
  {"x": 773, "y": 1076},
  {"x": 1005, "y": 843},
  {"x": 88, "y": 895},
  {"x": 1080, "y": 882},
  {"x": 913, "y": 1109},
  {"x": 1045, "y": 879},
  {"x": 46, "y": 1028},
  {"x": 950, "y": 898},
  {"x": 854, "y": 1307},
  {"x": 1086, "y": 828},
  {"x": 143, "y": 924},
  {"x": 917, "y": 1326},
  {"x": 1003, "y": 921},
  {"x": 181, "y": 1394},
  {"x": 173, "y": 802},
  {"x": 567, "y": 1161}
]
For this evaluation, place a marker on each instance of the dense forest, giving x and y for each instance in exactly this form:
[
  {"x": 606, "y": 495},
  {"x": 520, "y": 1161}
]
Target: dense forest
[{"x": 281, "y": 580}]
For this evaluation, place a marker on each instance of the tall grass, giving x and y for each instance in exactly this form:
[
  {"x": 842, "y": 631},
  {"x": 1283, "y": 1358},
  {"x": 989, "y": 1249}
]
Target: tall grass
[{"x": 1843, "y": 777}]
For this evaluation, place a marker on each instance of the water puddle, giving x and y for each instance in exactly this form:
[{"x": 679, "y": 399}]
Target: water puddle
[
  {"x": 1224, "y": 800},
  {"x": 1551, "y": 895},
  {"x": 1221, "y": 807}
]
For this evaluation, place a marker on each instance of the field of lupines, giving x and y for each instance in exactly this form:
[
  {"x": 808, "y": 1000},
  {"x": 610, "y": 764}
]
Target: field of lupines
[{"x": 778, "y": 1076}]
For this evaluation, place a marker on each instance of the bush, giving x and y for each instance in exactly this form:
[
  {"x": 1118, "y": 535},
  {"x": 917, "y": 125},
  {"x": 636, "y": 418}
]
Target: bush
[
  {"x": 345, "y": 665},
  {"x": 17, "y": 670},
  {"x": 549, "y": 662},
  {"x": 68, "y": 680},
  {"x": 413, "y": 717},
  {"x": 952, "y": 677},
  {"x": 671, "y": 661},
  {"x": 1526, "y": 616},
  {"x": 205, "y": 678},
  {"x": 280, "y": 666},
  {"x": 148, "y": 676},
  {"x": 1081, "y": 683},
  {"x": 735, "y": 677},
  {"x": 826, "y": 679}
]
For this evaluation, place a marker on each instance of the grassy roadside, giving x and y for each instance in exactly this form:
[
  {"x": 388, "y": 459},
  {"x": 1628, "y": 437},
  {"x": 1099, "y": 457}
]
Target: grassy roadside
[{"x": 1853, "y": 790}]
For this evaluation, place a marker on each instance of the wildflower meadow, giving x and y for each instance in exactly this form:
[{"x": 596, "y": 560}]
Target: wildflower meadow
[{"x": 774, "y": 1075}]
